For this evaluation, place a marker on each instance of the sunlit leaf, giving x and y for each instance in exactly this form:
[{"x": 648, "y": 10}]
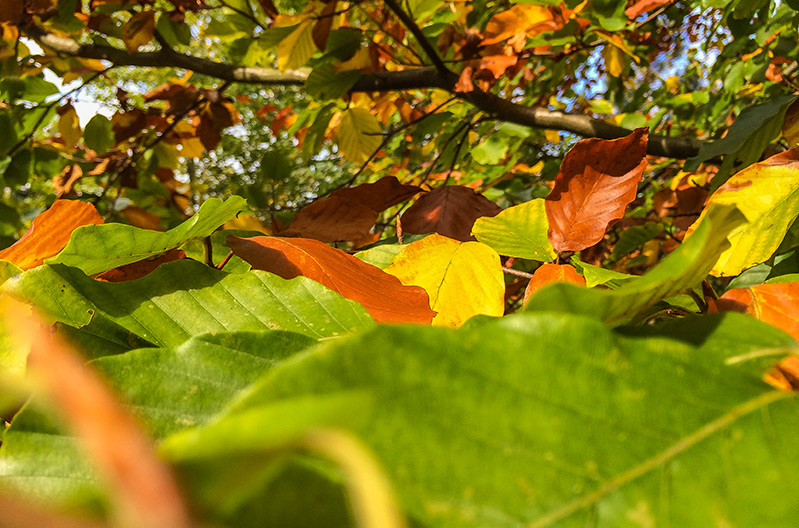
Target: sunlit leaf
[
  {"x": 463, "y": 279},
  {"x": 776, "y": 304},
  {"x": 359, "y": 134},
  {"x": 519, "y": 231},
  {"x": 548, "y": 273}
]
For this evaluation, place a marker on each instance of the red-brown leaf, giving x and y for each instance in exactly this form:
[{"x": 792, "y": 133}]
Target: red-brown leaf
[
  {"x": 50, "y": 232},
  {"x": 597, "y": 179},
  {"x": 549, "y": 273},
  {"x": 137, "y": 270},
  {"x": 449, "y": 211},
  {"x": 642, "y": 6},
  {"x": 383, "y": 295},
  {"x": 332, "y": 220},
  {"x": 380, "y": 195},
  {"x": 321, "y": 29},
  {"x": 775, "y": 304}
]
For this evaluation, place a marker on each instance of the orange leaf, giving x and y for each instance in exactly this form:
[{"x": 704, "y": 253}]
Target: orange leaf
[
  {"x": 139, "y": 30},
  {"x": 50, "y": 232},
  {"x": 597, "y": 179},
  {"x": 521, "y": 18},
  {"x": 383, "y": 295},
  {"x": 497, "y": 64},
  {"x": 141, "y": 486},
  {"x": 775, "y": 304},
  {"x": 642, "y": 6},
  {"x": 785, "y": 375},
  {"x": 549, "y": 273},
  {"x": 464, "y": 84},
  {"x": 141, "y": 218},
  {"x": 332, "y": 220},
  {"x": 450, "y": 211}
]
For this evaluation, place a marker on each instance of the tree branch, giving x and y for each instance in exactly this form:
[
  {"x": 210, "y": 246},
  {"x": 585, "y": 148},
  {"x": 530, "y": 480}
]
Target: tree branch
[
  {"x": 420, "y": 78},
  {"x": 416, "y": 31}
]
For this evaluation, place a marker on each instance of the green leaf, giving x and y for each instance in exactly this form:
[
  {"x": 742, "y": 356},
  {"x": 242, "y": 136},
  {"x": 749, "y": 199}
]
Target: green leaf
[
  {"x": 184, "y": 298},
  {"x": 555, "y": 420},
  {"x": 680, "y": 271},
  {"x": 381, "y": 256},
  {"x": 359, "y": 134},
  {"x": 491, "y": 151},
  {"x": 596, "y": 276},
  {"x": 98, "y": 134},
  {"x": 323, "y": 83},
  {"x": 169, "y": 389},
  {"x": 633, "y": 238},
  {"x": 519, "y": 231},
  {"x": 98, "y": 248}
]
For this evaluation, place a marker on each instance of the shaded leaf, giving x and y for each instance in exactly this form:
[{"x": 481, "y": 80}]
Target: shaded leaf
[
  {"x": 69, "y": 125},
  {"x": 551, "y": 419},
  {"x": 775, "y": 304},
  {"x": 95, "y": 249},
  {"x": 680, "y": 271},
  {"x": 295, "y": 50},
  {"x": 98, "y": 134},
  {"x": 359, "y": 134},
  {"x": 185, "y": 298},
  {"x": 321, "y": 30},
  {"x": 768, "y": 195},
  {"x": 549, "y": 273},
  {"x": 462, "y": 279},
  {"x": 50, "y": 232},
  {"x": 380, "y": 195},
  {"x": 137, "y": 270},
  {"x": 519, "y": 231},
  {"x": 450, "y": 210},
  {"x": 383, "y": 295},
  {"x": 597, "y": 179},
  {"x": 139, "y": 30},
  {"x": 332, "y": 219}
]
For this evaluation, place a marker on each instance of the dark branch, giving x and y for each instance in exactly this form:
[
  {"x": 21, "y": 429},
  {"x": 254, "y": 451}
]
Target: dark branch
[
  {"x": 413, "y": 27},
  {"x": 420, "y": 78}
]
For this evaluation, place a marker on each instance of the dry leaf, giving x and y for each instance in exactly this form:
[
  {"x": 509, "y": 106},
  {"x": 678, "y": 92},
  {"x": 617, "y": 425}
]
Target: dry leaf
[
  {"x": 332, "y": 220},
  {"x": 549, "y": 273},
  {"x": 597, "y": 179},
  {"x": 785, "y": 375},
  {"x": 380, "y": 195},
  {"x": 137, "y": 270},
  {"x": 450, "y": 211},
  {"x": 139, "y": 30},
  {"x": 50, "y": 232},
  {"x": 775, "y": 304},
  {"x": 383, "y": 295}
]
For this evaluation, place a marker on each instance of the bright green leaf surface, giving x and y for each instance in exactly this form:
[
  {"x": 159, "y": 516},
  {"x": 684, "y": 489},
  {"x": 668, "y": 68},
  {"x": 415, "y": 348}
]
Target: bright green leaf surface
[
  {"x": 554, "y": 420},
  {"x": 680, "y": 271},
  {"x": 185, "y": 298},
  {"x": 381, "y": 256},
  {"x": 596, "y": 276},
  {"x": 519, "y": 231},
  {"x": 98, "y": 248}
]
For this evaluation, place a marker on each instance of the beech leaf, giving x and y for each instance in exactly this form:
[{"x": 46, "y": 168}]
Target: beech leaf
[
  {"x": 549, "y": 273},
  {"x": 463, "y": 279},
  {"x": 450, "y": 211},
  {"x": 332, "y": 219},
  {"x": 775, "y": 304},
  {"x": 49, "y": 232},
  {"x": 139, "y": 30},
  {"x": 359, "y": 134},
  {"x": 519, "y": 231},
  {"x": 383, "y": 295},
  {"x": 597, "y": 179}
]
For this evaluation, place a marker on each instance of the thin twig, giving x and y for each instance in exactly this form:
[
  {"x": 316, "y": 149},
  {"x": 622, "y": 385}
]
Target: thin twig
[
  {"x": 416, "y": 31},
  {"x": 517, "y": 273}
]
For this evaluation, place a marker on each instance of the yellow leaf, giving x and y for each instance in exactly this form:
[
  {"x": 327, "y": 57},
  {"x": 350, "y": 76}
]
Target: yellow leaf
[
  {"x": 521, "y": 18},
  {"x": 192, "y": 148},
  {"x": 553, "y": 136},
  {"x": 295, "y": 50},
  {"x": 614, "y": 60},
  {"x": 359, "y": 134},
  {"x": 767, "y": 193},
  {"x": 361, "y": 59},
  {"x": 139, "y": 30},
  {"x": 247, "y": 223},
  {"x": 462, "y": 279},
  {"x": 69, "y": 127}
]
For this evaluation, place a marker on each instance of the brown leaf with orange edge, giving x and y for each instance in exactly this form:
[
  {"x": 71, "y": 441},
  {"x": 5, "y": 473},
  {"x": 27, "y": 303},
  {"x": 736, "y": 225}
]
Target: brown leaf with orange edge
[
  {"x": 139, "y": 30},
  {"x": 464, "y": 84},
  {"x": 785, "y": 375},
  {"x": 521, "y": 18},
  {"x": 450, "y": 211},
  {"x": 380, "y": 195},
  {"x": 64, "y": 182},
  {"x": 332, "y": 219},
  {"x": 49, "y": 233},
  {"x": 141, "y": 487},
  {"x": 324, "y": 23},
  {"x": 141, "y": 218},
  {"x": 642, "y": 6},
  {"x": 137, "y": 270},
  {"x": 549, "y": 273},
  {"x": 383, "y": 295},
  {"x": 597, "y": 179},
  {"x": 775, "y": 304}
]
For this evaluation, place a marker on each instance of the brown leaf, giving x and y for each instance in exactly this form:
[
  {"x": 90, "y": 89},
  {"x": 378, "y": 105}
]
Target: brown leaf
[
  {"x": 597, "y": 179},
  {"x": 269, "y": 8},
  {"x": 549, "y": 273},
  {"x": 332, "y": 220},
  {"x": 140, "y": 218},
  {"x": 775, "y": 304},
  {"x": 50, "y": 232},
  {"x": 142, "y": 488},
  {"x": 321, "y": 29},
  {"x": 380, "y": 195},
  {"x": 64, "y": 182},
  {"x": 383, "y": 295},
  {"x": 139, "y": 30},
  {"x": 464, "y": 84},
  {"x": 785, "y": 375},
  {"x": 137, "y": 270},
  {"x": 450, "y": 211}
]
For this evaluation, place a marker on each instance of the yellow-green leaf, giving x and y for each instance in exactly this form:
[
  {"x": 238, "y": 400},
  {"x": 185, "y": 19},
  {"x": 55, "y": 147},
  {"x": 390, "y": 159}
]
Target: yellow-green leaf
[
  {"x": 519, "y": 231},
  {"x": 359, "y": 134},
  {"x": 462, "y": 279},
  {"x": 768, "y": 195},
  {"x": 69, "y": 127},
  {"x": 295, "y": 50}
]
